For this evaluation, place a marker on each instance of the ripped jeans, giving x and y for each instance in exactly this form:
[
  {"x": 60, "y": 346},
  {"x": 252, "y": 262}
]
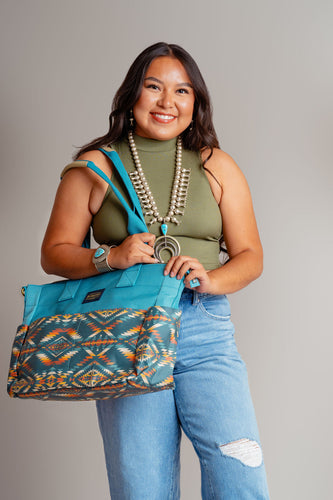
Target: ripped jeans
[{"x": 211, "y": 403}]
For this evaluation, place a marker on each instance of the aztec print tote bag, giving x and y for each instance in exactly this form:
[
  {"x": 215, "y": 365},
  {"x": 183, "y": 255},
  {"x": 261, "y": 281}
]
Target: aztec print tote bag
[{"x": 110, "y": 335}]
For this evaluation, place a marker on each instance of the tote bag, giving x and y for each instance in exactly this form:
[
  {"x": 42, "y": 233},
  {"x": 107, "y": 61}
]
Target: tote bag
[{"x": 110, "y": 335}]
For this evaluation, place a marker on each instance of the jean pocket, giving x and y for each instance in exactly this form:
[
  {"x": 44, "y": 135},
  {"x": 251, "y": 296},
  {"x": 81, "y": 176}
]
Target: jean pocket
[{"x": 215, "y": 306}]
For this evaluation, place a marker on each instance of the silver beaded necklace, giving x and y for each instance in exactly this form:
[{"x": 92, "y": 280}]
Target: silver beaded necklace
[{"x": 177, "y": 199}]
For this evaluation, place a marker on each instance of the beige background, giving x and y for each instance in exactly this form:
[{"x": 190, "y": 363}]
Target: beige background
[{"x": 268, "y": 65}]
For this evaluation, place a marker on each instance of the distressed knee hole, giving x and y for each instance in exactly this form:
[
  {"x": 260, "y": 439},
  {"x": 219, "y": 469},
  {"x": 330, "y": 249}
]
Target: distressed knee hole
[{"x": 245, "y": 450}]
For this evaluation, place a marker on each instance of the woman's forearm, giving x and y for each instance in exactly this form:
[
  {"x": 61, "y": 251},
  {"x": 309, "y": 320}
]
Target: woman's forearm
[
  {"x": 237, "y": 273},
  {"x": 74, "y": 262},
  {"x": 68, "y": 260}
]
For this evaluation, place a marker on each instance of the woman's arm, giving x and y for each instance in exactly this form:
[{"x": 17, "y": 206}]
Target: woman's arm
[
  {"x": 239, "y": 230},
  {"x": 79, "y": 197},
  {"x": 239, "y": 227}
]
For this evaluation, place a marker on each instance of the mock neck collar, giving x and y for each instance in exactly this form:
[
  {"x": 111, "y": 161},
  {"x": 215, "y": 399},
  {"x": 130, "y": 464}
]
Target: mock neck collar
[{"x": 153, "y": 145}]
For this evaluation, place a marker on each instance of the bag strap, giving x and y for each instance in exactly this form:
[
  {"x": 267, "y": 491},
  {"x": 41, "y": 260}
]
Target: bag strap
[
  {"x": 136, "y": 222},
  {"x": 114, "y": 157}
]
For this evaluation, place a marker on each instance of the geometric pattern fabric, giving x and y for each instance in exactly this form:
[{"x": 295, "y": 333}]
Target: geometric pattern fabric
[{"x": 96, "y": 355}]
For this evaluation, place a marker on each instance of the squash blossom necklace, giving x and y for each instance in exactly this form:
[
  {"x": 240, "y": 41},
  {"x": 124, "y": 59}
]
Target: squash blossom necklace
[{"x": 177, "y": 199}]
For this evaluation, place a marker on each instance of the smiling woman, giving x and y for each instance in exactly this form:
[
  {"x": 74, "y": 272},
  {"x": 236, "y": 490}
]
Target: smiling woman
[
  {"x": 161, "y": 127},
  {"x": 165, "y": 107}
]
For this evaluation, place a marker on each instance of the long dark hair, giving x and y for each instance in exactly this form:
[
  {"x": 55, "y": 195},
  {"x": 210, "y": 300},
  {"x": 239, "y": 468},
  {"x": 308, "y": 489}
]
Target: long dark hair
[{"x": 201, "y": 134}]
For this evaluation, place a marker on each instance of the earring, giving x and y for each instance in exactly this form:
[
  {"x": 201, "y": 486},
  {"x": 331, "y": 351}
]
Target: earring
[
  {"x": 131, "y": 119},
  {"x": 191, "y": 126}
]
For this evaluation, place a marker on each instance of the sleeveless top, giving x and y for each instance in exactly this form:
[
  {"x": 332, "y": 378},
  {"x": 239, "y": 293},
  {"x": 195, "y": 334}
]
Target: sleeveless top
[{"x": 201, "y": 226}]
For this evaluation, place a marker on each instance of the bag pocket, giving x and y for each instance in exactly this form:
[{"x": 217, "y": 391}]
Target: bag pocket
[{"x": 157, "y": 346}]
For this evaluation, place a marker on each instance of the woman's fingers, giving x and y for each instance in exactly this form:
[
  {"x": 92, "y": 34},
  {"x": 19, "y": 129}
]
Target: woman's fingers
[
  {"x": 179, "y": 266},
  {"x": 174, "y": 265},
  {"x": 190, "y": 269},
  {"x": 135, "y": 249},
  {"x": 148, "y": 238},
  {"x": 146, "y": 244}
]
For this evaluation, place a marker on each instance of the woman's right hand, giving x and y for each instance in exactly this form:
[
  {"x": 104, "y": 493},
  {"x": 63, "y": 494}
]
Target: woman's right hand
[{"x": 135, "y": 249}]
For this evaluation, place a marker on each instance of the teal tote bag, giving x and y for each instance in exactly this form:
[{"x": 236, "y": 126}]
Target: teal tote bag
[{"x": 107, "y": 336}]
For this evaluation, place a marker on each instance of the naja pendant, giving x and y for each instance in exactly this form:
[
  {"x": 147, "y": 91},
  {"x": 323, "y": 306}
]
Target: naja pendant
[
  {"x": 166, "y": 243},
  {"x": 172, "y": 246}
]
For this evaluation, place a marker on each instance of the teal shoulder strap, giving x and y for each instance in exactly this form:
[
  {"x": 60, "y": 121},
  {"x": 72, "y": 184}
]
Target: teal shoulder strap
[
  {"x": 136, "y": 222},
  {"x": 114, "y": 157}
]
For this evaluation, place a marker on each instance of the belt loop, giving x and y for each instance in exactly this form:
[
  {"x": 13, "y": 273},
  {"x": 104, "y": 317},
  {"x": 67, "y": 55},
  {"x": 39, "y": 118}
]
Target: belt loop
[{"x": 195, "y": 298}]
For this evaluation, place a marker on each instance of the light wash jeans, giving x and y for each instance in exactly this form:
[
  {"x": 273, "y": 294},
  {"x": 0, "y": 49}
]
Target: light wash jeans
[{"x": 211, "y": 402}]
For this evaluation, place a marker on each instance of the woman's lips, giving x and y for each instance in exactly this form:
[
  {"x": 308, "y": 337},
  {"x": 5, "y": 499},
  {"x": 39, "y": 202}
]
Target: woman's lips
[{"x": 163, "y": 118}]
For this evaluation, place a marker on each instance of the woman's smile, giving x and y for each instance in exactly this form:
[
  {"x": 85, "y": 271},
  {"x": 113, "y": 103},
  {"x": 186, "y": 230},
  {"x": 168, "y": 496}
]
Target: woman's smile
[
  {"x": 163, "y": 118},
  {"x": 165, "y": 107}
]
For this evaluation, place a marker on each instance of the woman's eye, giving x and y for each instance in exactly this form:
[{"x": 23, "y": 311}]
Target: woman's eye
[
  {"x": 152, "y": 86},
  {"x": 182, "y": 91}
]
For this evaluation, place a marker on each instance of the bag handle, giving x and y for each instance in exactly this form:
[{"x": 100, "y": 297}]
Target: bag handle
[
  {"x": 126, "y": 278},
  {"x": 114, "y": 157},
  {"x": 136, "y": 222}
]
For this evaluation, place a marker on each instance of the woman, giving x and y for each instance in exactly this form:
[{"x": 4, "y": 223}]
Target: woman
[{"x": 162, "y": 98}]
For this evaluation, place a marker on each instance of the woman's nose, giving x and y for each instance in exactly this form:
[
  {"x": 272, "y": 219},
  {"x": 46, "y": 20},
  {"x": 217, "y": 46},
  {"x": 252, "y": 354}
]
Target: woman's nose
[{"x": 166, "y": 100}]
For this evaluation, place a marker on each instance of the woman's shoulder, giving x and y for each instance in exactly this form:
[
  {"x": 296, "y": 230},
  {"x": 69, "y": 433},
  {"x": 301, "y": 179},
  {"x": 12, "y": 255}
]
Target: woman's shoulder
[
  {"x": 221, "y": 164},
  {"x": 96, "y": 157},
  {"x": 217, "y": 158}
]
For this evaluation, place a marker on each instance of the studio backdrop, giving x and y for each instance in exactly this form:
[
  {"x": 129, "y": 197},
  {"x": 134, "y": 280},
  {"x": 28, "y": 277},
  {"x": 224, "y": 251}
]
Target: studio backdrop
[{"x": 268, "y": 66}]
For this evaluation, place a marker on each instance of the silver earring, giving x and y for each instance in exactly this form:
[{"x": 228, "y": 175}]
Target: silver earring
[
  {"x": 191, "y": 126},
  {"x": 131, "y": 119}
]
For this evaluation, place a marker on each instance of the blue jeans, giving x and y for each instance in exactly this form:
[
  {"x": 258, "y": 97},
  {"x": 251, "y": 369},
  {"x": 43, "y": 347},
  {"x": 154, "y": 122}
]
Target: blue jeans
[{"x": 211, "y": 402}]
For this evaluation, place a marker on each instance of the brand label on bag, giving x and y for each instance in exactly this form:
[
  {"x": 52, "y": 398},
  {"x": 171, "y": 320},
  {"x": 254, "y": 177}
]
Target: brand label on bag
[{"x": 93, "y": 296}]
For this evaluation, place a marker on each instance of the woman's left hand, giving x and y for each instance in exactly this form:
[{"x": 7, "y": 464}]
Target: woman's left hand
[{"x": 179, "y": 266}]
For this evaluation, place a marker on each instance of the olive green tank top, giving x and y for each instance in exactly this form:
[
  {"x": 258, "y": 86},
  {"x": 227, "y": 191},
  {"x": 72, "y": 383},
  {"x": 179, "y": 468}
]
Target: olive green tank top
[{"x": 201, "y": 226}]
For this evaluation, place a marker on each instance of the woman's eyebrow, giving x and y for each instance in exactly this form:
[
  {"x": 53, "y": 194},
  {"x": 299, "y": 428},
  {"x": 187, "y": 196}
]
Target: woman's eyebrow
[
  {"x": 184, "y": 84},
  {"x": 154, "y": 79}
]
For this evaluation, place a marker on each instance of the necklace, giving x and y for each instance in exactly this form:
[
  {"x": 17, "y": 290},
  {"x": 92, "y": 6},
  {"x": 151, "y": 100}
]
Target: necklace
[{"x": 177, "y": 198}]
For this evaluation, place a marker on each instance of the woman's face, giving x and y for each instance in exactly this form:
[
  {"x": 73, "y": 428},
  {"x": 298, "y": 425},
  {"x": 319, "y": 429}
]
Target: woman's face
[{"x": 165, "y": 107}]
